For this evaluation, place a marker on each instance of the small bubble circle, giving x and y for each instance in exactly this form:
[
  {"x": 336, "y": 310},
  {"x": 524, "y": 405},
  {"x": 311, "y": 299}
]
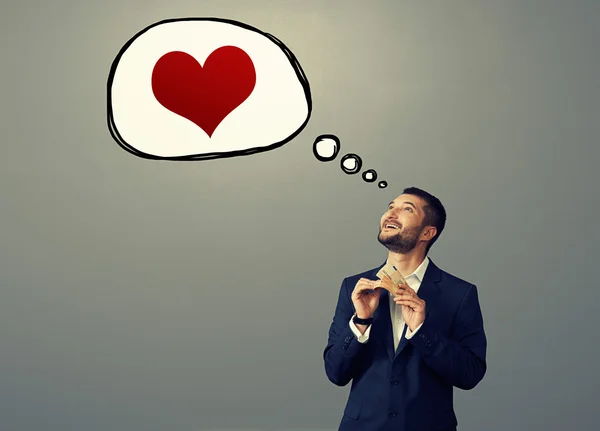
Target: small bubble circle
[
  {"x": 369, "y": 175},
  {"x": 351, "y": 163},
  {"x": 382, "y": 184},
  {"x": 326, "y": 147}
]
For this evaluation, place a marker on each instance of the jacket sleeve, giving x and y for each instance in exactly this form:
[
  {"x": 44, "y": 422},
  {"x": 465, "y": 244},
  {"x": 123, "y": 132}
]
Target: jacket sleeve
[
  {"x": 343, "y": 350},
  {"x": 460, "y": 360}
]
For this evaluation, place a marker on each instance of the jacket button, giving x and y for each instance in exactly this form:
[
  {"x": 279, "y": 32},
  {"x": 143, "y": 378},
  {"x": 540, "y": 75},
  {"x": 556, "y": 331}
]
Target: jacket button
[
  {"x": 392, "y": 413},
  {"x": 394, "y": 382}
]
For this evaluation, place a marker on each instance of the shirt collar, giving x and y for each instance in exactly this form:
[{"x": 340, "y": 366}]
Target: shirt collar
[{"x": 420, "y": 271}]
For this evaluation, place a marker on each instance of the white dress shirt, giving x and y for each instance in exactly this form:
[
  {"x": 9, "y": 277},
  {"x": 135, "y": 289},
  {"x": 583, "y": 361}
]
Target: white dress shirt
[{"x": 414, "y": 282}]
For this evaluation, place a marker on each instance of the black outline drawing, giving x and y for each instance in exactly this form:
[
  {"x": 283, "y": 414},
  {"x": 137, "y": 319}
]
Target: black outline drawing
[
  {"x": 338, "y": 146},
  {"x": 336, "y": 150},
  {"x": 356, "y": 170},
  {"x": 215, "y": 155},
  {"x": 369, "y": 171}
]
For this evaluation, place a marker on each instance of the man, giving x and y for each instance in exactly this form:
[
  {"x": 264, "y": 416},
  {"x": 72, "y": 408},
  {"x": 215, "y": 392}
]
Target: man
[{"x": 405, "y": 352}]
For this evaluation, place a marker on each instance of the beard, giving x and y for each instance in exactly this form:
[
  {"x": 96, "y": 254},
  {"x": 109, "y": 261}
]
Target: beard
[{"x": 400, "y": 242}]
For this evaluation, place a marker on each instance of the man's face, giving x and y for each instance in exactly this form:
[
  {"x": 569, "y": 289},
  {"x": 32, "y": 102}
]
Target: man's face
[{"x": 401, "y": 225}]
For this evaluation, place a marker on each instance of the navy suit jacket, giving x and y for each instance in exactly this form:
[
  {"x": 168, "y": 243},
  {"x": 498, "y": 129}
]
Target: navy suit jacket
[{"x": 409, "y": 389}]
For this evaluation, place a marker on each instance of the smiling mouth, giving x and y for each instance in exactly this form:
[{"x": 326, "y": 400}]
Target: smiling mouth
[{"x": 390, "y": 227}]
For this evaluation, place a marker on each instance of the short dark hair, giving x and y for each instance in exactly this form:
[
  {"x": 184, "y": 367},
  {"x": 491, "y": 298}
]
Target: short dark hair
[{"x": 435, "y": 213}]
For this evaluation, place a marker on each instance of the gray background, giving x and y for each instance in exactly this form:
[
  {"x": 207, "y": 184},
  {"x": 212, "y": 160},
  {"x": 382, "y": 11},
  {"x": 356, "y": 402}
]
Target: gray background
[{"x": 154, "y": 295}]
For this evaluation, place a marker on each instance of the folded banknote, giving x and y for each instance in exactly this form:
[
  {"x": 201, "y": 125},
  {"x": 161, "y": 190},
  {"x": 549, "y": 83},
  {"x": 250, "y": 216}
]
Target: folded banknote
[{"x": 393, "y": 274}]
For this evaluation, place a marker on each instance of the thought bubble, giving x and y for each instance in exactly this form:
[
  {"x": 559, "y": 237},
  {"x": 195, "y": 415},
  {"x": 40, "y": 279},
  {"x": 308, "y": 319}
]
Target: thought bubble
[
  {"x": 327, "y": 147},
  {"x": 351, "y": 164},
  {"x": 205, "y": 88},
  {"x": 369, "y": 176}
]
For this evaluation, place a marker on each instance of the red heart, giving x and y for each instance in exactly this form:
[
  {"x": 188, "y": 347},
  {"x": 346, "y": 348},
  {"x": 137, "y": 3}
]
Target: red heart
[{"x": 204, "y": 95}]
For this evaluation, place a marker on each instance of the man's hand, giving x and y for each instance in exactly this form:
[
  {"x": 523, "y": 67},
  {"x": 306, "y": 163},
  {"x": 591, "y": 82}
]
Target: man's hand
[
  {"x": 365, "y": 302},
  {"x": 413, "y": 307}
]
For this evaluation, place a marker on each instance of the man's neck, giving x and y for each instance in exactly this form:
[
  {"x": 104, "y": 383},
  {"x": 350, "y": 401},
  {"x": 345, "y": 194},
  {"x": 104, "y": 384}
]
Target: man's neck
[{"x": 406, "y": 263}]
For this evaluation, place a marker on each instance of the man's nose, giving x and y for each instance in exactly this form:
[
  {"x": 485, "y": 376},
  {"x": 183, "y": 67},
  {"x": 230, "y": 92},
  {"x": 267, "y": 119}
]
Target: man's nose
[{"x": 390, "y": 213}]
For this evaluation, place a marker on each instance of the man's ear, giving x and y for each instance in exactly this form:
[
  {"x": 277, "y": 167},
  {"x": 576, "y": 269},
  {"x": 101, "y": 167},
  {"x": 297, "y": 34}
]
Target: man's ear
[{"x": 429, "y": 232}]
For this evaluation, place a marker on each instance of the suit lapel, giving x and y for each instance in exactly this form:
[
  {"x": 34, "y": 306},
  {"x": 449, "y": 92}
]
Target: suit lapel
[
  {"x": 428, "y": 291},
  {"x": 382, "y": 320}
]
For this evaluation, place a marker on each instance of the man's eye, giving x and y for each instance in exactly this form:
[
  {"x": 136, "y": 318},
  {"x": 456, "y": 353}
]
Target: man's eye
[{"x": 408, "y": 208}]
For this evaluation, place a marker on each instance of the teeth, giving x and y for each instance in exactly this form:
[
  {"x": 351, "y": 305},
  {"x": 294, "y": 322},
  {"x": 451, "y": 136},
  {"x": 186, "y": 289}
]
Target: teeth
[{"x": 392, "y": 226}]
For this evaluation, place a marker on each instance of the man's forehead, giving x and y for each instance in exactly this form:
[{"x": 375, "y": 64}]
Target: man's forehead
[{"x": 416, "y": 200}]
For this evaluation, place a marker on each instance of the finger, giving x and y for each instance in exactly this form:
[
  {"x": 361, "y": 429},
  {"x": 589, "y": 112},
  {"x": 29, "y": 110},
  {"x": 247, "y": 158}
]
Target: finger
[
  {"x": 404, "y": 297},
  {"x": 405, "y": 288},
  {"x": 406, "y": 303},
  {"x": 364, "y": 282},
  {"x": 362, "y": 288},
  {"x": 408, "y": 297},
  {"x": 410, "y": 303}
]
